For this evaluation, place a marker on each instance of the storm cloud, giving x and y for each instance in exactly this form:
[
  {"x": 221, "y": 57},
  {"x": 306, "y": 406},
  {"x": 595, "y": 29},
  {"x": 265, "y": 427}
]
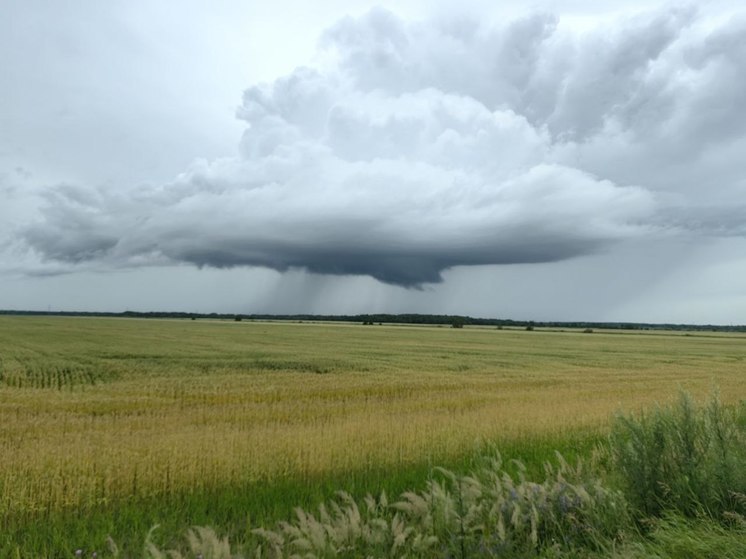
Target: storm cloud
[{"x": 415, "y": 147}]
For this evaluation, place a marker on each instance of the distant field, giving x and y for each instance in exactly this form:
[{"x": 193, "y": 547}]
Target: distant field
[{"x": 94, "y": 411}]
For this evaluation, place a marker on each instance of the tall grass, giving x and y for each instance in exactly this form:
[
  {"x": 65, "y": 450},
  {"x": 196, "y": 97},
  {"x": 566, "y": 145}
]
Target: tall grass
[
  {"x": 486, "y": 513},
  {"x": 677, "y": 537},
  {"x": 682, "y": 458}
]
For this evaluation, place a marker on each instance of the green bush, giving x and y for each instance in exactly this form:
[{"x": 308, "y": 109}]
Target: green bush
[{"x": 682, "y": 458}]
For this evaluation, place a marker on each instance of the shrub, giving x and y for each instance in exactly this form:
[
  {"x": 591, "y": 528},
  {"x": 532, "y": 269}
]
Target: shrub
[{"x": 682, "y": 458}]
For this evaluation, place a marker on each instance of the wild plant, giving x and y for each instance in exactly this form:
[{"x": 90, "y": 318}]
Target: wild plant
[
  {"x": 488, "y": 513},
  {"x": 203, "y": 543},
  {"x": 682, "y": 458}
]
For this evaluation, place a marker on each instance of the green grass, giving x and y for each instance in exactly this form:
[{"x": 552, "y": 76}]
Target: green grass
[{"x": 675, "y": 537}]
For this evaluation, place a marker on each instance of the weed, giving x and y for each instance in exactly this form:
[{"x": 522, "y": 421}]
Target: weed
[{"x": 682, "y": 458}]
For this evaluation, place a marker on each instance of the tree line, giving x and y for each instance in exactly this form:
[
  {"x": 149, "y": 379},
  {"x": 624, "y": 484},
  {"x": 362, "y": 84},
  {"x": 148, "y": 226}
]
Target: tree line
[{"x": 405, "y": 318}]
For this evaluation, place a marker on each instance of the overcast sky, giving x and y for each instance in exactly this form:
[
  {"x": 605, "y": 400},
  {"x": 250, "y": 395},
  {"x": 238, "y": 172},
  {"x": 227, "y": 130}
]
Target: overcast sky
[{"x": 546, "y": 160}]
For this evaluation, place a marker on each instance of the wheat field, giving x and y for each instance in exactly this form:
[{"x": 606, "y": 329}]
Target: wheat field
[{"x": 98, "y": 409}]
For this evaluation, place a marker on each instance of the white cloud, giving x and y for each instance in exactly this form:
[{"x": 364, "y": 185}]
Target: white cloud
[{"x": 428, "y": 145}]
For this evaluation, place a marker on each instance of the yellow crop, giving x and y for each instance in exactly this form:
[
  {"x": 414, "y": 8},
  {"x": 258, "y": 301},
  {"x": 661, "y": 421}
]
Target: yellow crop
[{"x": 93, "y": 409}]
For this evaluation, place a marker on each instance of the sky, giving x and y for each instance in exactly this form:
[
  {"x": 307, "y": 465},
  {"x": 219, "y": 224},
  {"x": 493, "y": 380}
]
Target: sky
[{"x": 556, "y": 160}]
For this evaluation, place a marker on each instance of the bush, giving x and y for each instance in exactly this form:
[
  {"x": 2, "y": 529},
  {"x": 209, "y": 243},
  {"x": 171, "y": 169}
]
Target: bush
[{"x": 682, "y": 458}]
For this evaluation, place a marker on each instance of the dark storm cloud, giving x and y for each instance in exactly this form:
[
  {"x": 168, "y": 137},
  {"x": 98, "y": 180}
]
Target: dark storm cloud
[
  {"x": 395, "y": 221},
  {"x": 429, "y": 146}
]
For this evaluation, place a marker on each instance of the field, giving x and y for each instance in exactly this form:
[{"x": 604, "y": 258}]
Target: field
[{"x": 108, "y": 426}]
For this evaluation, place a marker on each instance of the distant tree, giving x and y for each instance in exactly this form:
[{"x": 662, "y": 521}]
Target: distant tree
[
  {"x": 238, "y": 318},
  {"x": 457, "y": 322}
]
